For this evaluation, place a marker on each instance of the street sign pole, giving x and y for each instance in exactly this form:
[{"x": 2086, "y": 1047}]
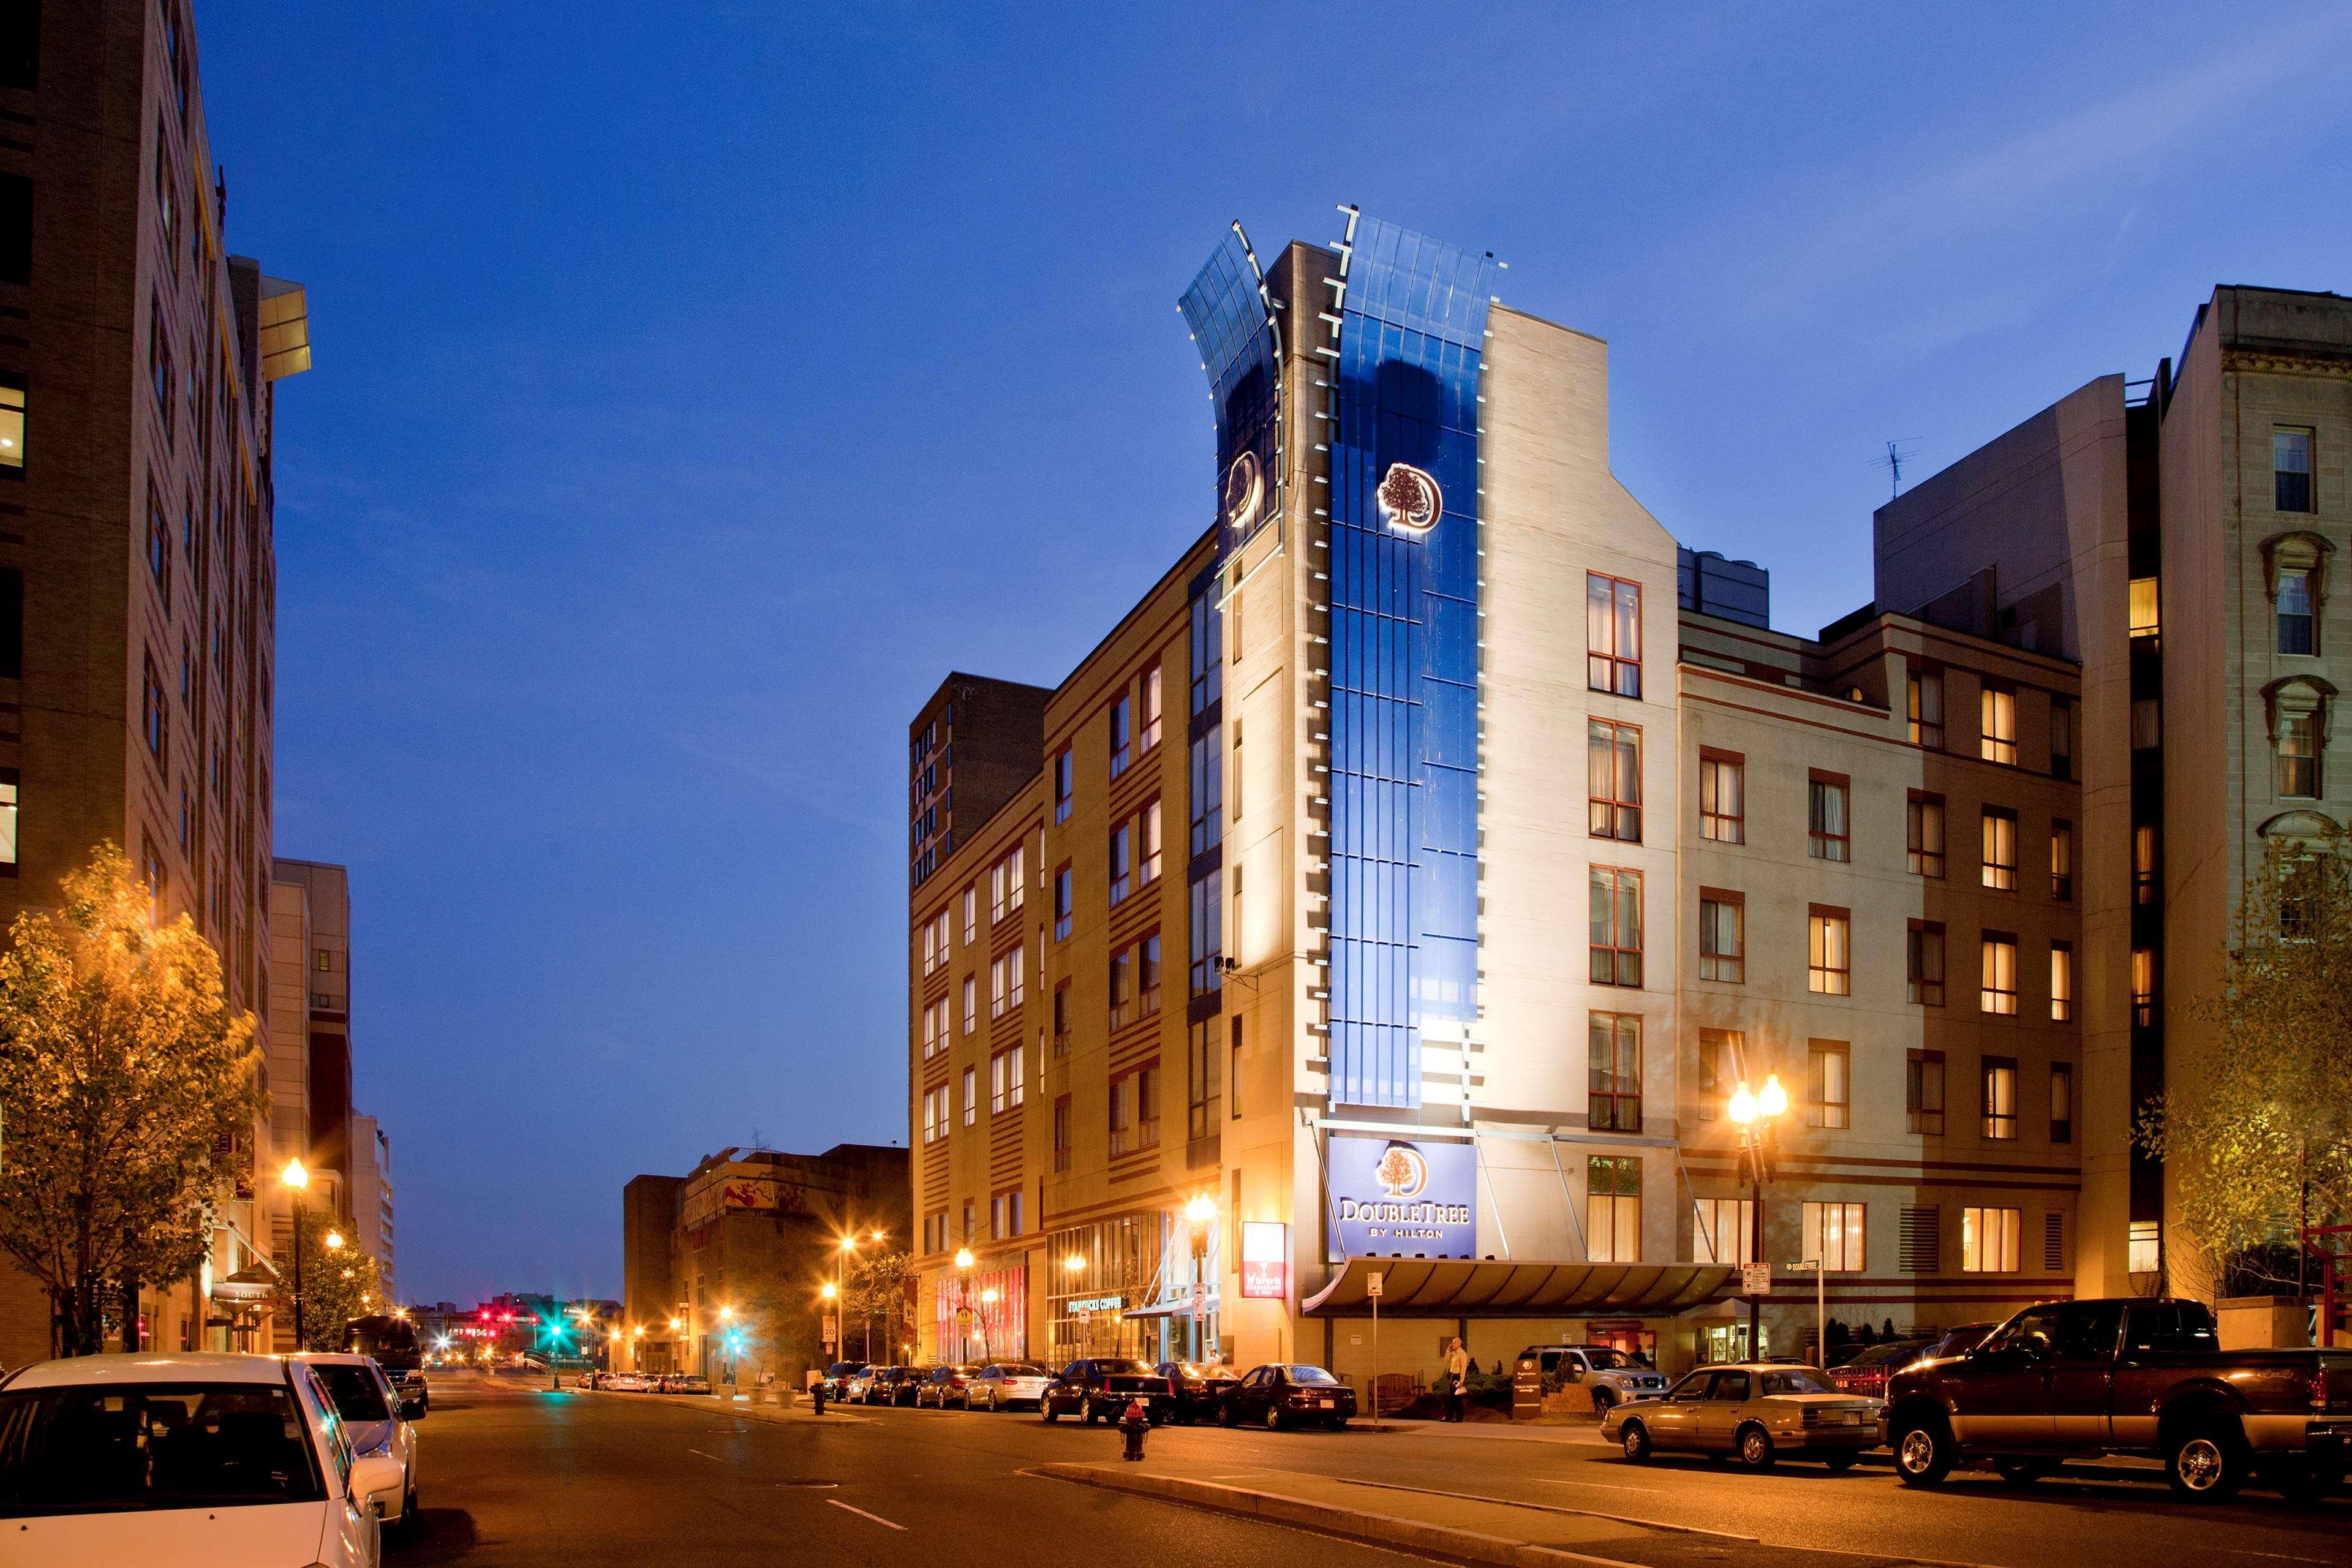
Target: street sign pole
[
  {"x": 1820, "y": 1266},
  {"x": 1373, "y": 1284}
]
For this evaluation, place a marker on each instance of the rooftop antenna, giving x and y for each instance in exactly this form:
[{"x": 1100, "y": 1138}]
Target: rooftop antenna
[{"x": 1898, "y": 452}]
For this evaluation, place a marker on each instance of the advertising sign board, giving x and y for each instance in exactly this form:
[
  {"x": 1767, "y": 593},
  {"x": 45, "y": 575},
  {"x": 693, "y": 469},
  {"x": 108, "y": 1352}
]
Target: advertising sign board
[
  {"x": 1414, "y": 1197},
  {"x": 1266, "y": 1259}
]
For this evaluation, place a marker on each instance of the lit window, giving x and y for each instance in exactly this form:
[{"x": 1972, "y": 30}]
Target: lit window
[
  {"x": 1998, "y": 993},
  {"x": 1613, "y": 1208},
  {"x": 1017, "y": 875},
  {"x": 2062, "y": 982},
  {"x": 2145, "y": 1247},
  {"x": 1829, "y": 1094},
  {"x": 2144, "y": 862},
  {"x": 1019, "y": 964},
  {"x": 997, "y": 893},
  {"x": 1988, "y": 1240},
  {"x": 2000, "y": 847},
  {"x": 2061, "y": 860},
  {"x": 1719, "y": 1061},
  {"x": 996, "y": 978},
  {"x": 2298, "y": 756},
  {"x": 1727, "y": 1230},
  {"x": 1826, "y": 817},
  {"x": 1925, "y": 700},
  {"x": 997, "y": 1072},
  {"x": 970, "y": 915},
  {"x": 1833, "y": 1235},
  {"x": 12, "y": 424},
  {"x": 1612, "y": 635},
  {"x": 1149, "y": 735},
  {"x": 8, "y": 819},
  {"x": 1147, "y": 844},
  {"x": 1999, "y": 1100},
  {"x": 1998, "y": 710},
  {"x": 1614, "y": 780},
  {"x": 2143, "y": 986},
  {"x": 970, "y": 1003},
  {"x": 1720, "y": 787},
  {"x": 2291, "y": 471},
  {"x": 2143, "y": 607},
  {"x": 971, "y": 1096},
  {"x": 1722, "y": 936},
  {"x": 1829, "y": 965}
]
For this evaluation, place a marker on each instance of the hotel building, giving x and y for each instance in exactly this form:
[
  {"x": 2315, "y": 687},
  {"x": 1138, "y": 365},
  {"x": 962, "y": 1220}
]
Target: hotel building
[
  {"x": 139, "y": 365},
  {"x": 1293, "y": 971}
]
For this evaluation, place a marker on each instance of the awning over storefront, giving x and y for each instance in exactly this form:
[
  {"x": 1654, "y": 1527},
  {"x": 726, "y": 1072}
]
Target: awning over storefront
[
  {"x": 1180, "y": 1308},
  {"x": 1470, "y": 1287}
]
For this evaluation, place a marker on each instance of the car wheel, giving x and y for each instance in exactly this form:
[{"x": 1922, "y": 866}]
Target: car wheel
[
  {"x": 1227, "y": 1416},
  {"x": 1636, "y": 1440},
  {"x": 1603, "y": 1401},
  {"x": 1842, "y": 1462},
  {"x": 1755, "y": 1448},
  {"x": 1045, "y": 1409},
  {"x": 1274, "y": 1418},
  {"x": 2020, "y": 1473},
  {"x": 1086, "y": 1411},
  {"x": 2208, "y": 1464},
  {"x": 1924, "y": 1452}
]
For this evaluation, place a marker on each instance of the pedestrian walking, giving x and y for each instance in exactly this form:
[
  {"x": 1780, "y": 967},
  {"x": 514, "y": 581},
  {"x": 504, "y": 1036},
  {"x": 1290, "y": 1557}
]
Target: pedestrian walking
[{"x": 1457, "y": 1368}]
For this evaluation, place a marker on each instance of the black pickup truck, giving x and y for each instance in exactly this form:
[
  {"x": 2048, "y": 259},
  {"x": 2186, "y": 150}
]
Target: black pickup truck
[{"x": 2133, "y": 1375}]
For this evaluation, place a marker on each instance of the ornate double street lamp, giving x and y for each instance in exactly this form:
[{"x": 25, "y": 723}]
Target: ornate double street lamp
[
  {"x": 1754, "y": 1115},
  {"x": 1200, "y": 1214},
  {"x": 963, "y": 1304},
  {"x": 295, "y": 1179}
]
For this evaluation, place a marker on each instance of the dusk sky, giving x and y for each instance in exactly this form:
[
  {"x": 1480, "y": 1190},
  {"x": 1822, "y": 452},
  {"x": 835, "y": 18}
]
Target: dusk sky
[{"x": 697, "y": 385}]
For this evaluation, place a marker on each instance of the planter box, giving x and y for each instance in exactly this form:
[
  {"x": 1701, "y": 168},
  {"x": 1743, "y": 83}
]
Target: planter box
[{"x": 2263, "y": 1322}]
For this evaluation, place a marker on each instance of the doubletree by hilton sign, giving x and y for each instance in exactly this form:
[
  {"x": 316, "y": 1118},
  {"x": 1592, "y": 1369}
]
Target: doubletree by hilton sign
[{"x": 1391, "y": 1197}]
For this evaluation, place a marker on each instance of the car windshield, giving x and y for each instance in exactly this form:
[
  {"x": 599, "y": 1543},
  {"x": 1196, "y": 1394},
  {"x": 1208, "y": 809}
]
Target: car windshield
[
  {"x": 1310, "y": 1374},
  {"x": 117, "y": 1448},
  {"x": 1889, "y": 1355},
  {"x": 354, "y": 1391},
  {"x": 1795, "y": 1380}
]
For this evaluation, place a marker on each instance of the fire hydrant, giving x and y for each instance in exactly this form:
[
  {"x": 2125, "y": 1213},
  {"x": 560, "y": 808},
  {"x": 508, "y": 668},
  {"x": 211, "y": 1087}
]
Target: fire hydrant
[
  {"x": 817, "y": 1396},
  {"x": 1135, "y": 1424}
]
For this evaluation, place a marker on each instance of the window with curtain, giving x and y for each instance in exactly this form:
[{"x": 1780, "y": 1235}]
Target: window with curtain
[
  {"x": 2298, "y": 756},
  {"x": 2144, "y": 608},
  {"x": 1727, "y": 1231},
  {"x": 1925, "y": 703},
  {"x": 2144, "y": 846},
  {"x": 1614, "y": 775},
  {"x": 1923, "y": 1092},
  {"x": 2062, "y": 1103},
  {"x": 1829, "y": 965},
  {"x": 1925, "y": 964},
  {"x": 1613, "y": 1208},
  {"x": 1722, "y": 936},
  {"x": 2000, "y": 847},
  {"x": 1722, "y": 815},
  {"x": 1826, "y": 814},
  {"x": 1829, "y": 1096},
  {"x": 1998, "y": 731},
  {"x": 1719, "y": 1060},
  {"x": 1988, "y": 1240},
  {"x": 1833, "y": 1234},
  {"x": 1612, "y": 635},
  {"x": 1924, "y": 834},
  {"x": 1614, "y": 1099},
  {"x": 1616, "y": 921},
  {"x": 2062, "y": 982},
  {"x": 1999, "y": 1099},
  {"x": 2062, "y": 861},
  {"x": 1998, "y": 994}
]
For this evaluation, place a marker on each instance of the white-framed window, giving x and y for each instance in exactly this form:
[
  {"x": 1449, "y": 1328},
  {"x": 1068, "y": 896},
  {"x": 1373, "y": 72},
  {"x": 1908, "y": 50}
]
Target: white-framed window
[
  {"x": 1148, "y": 732},
  {"x": 970, "y": 1095},
  {"x": 996, "y": 988},
  {"x": 1018, "y": 963},
  {"x": 997, "y": 893},
  {"x": 970, "y": 915},
  {"x": 930, "y": 1117},
  {"x": 1833, "y": 1234},
  {"x": 1016, "y": 1075},
  {"x": 1988, "y": 1240},
  {"x": 930, "y": 1032},
  {"x": 1613, "y": 1208},
  {"x": 1727, "y": 1231},
  {"x": 997, "y": 1072},
  {"x": 1147, "y": 844},
  {"x": 970, "y": 1003},
  {"x": 1016, "y": 877}
]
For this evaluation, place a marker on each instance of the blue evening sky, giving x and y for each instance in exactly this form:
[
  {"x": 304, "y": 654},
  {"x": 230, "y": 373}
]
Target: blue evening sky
[{"x": 696, "y": 384}]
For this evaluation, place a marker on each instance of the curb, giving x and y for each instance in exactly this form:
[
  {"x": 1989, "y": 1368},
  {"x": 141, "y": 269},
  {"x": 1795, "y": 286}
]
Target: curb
[{"x": 1380, "y": 1528}]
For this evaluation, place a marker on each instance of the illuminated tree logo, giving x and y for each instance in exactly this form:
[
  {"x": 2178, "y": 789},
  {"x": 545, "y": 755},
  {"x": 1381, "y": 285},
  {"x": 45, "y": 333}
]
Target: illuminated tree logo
[
  {"x": 1401, "y": 1173},
  {"x": 1244, "y": 492},
  {"x": 1410, "y": 500}
]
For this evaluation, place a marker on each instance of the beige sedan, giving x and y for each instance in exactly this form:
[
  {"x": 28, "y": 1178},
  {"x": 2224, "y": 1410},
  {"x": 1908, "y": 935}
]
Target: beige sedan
[{"x": 1754, "y": 1410}]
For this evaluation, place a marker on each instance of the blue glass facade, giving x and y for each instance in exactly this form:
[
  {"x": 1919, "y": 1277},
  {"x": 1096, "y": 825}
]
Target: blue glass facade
[
  {"x": 1404, "y": 660},
  {"x": 1225, "y": 309}
]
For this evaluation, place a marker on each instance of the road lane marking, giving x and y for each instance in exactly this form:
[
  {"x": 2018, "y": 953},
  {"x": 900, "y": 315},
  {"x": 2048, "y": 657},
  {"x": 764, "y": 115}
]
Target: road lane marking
[
  {"x": 706, "y": 1456},
  {"x": 863, "y": 1514}
]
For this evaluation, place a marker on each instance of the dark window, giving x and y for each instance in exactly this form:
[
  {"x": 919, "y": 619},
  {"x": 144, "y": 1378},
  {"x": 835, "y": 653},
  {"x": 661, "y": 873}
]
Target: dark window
[
  {"x": 1926, "y": 964},
  {"x": 1923, "y": 1092},
  {"x": 20, "y": 45},
  {"x": 154, "y": 718},
  {"x": 1924, "y": 834},
  {"x": 11, "y": 623},
  {"x": 16, "y": 230},
  {"x": 2295, "y": 634},
  {"x": 2291, "y": 470},
  {"x": 2061, "y": 738}
]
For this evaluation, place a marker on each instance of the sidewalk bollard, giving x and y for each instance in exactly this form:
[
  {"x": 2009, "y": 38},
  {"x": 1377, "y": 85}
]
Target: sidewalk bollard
[
  {"x": 816, "y": 1397},
  {"x": 1134, "y": 1423}
]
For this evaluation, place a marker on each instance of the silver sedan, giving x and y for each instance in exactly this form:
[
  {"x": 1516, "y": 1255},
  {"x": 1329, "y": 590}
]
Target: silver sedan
[{"x": 1759, "y": 1411}]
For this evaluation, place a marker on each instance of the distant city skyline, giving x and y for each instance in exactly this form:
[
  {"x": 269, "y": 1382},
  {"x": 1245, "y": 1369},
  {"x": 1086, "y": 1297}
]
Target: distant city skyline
[{"x": 690, "y": 396}]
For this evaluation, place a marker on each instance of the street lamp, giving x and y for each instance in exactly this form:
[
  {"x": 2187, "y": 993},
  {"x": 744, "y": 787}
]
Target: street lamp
[
  {"x": 963, "y": 1304},
  {"x": 295, "y": 1179},
  {"x": 1754, "y": 1114},
  {"x": 1200, "y": 1213}
]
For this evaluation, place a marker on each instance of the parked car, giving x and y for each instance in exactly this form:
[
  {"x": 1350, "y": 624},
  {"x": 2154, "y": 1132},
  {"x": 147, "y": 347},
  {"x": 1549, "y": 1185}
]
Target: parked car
[
  {"x": 1098, "y": 1388},
  {"x": 232, "y": 1459},
  {"x": 1965, "y": 1337},
  {"x": 411, "y": 1387},
  {"x": 376, "y": 1421},
  {"x": 1197, "y": 1389},
  {"x": 1867, "y": 1369},
  {"x": 1759, "y": 1412},
  {"x": 1612, "y": 1376},
  {"x": 628, "y": 1382},
  {"x": 1283, "y": 1394},
  {"x": 1004, "y": 1385},
  {"x": 945, "y": 1387},
  {"x": 685, "y": 1382},
  {"x": 586, "y": 1378},
  {"x": 2126, "y": 1376},
  {"x": 894, "y": 1385},
  {"x": 837, "y": 1377},
  {"x": 854, "y": 1386}
]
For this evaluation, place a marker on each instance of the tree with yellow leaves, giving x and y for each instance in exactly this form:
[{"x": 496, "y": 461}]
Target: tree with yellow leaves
[{"x": 124, "y": 1081}]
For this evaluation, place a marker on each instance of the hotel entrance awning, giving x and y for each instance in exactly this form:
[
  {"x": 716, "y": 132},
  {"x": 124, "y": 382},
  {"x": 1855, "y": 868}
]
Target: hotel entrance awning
[{"x": 1470, "y": 1287}]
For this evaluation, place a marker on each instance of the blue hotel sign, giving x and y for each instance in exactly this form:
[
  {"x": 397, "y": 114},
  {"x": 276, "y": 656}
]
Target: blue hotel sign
[{"x": 1393, "y": 1196}]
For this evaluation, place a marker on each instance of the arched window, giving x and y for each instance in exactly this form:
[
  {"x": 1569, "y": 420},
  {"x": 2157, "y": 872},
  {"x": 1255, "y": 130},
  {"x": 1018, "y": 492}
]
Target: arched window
[
  {"x": 2299, "y": 708},
  {"x": 2295, "y": 576}
]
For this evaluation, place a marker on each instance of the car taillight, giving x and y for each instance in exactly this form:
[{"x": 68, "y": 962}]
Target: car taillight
[{"x": 2319, "y": 1388}]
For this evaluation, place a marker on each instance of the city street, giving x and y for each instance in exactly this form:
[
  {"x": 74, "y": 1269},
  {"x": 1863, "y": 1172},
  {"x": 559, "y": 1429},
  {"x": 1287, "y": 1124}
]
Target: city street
[{"x": 514, "y": 1475}]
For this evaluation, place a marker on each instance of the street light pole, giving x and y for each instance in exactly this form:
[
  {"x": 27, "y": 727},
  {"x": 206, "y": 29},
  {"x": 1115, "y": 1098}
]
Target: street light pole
[
  {"x": 1754, "y": 1114},
  {"x": 1200, "y": 1213},
  {"x": 296, "y": 1178},
  {"x": 963, "y": 1304}
]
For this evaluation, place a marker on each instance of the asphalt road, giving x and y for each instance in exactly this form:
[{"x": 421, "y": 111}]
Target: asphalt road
[{"x": 512, "y": 1474}]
